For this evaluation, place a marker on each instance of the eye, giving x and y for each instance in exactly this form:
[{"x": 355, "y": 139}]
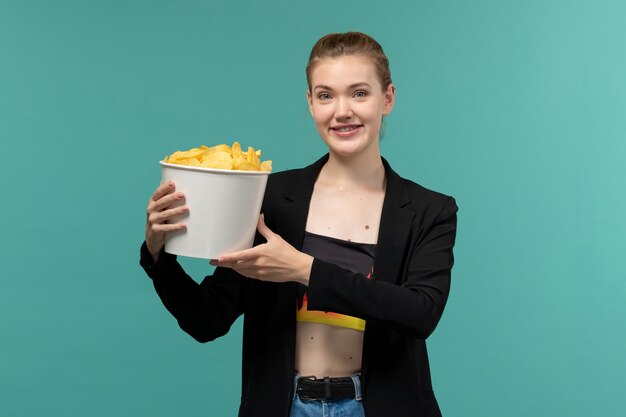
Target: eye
[
  {"x": 360, "y": 94},
  {"x": 323, "y": 96}
]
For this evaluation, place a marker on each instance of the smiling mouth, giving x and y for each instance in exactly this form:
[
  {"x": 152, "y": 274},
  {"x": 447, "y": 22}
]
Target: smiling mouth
[
  {"x": 344, "y": 129},
  {"x": 346, "y": 132}
]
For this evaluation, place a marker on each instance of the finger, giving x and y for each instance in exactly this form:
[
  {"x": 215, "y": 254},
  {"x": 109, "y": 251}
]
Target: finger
[
  {"x": 221, "y": 264},
  {"x": 224, "y": 264},
  {"x": 163, "y": 216},
  {"x": 163, "y": 189},
  {"x": 244, "y": 255},
  {"x": 263, "y": 229},
  {"x": 164, "y": 202},
  {"x": 165, "y": 228}
]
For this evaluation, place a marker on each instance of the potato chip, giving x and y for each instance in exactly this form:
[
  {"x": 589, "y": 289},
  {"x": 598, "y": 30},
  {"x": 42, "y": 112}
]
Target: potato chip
[
  {"x": 218, "y": 148},
  {"x": 252, "y": 157},
  {"x": 191, "y": 153},
  {"x": 192, "y": 162},
  {"x": 221, "y": 157},
  {"x": 217, "y": 160},
  {"x": 266, "y": 166},
  {"x": 244, "y": 165},
  {"x": 236, "y": 150}
]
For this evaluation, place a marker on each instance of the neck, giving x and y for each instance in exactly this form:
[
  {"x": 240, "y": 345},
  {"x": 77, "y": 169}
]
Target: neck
[{"x": 363, "y": 171}]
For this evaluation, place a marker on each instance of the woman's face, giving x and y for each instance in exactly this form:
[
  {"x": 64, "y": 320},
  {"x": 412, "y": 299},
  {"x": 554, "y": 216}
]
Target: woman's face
[{"x": 347, "y": 103}]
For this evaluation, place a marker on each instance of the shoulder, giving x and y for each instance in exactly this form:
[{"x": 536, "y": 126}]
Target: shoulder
[
  {"x": 276, "y": 179},
  {"x": 281, "y": 183},
  {"x": 290, "y": 186},
  {"x": 294, "y": 184},
  {"x": 423, "y": 195},
  {"x": 420, "y": 199}
]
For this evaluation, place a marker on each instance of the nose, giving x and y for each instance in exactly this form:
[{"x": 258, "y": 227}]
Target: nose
[{"x": 343, "y": 109}]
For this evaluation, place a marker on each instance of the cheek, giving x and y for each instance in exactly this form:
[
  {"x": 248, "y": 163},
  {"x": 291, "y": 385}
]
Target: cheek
[
  {"x": 321, "y": 115},
  {"x": 371, "y": 114}
]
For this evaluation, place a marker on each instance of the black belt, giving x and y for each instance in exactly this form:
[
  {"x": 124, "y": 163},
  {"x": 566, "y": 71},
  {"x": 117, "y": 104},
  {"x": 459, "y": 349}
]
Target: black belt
[{"x": 325, "y": 389}]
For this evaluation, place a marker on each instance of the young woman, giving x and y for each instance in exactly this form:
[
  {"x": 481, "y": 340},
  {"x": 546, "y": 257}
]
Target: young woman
[{"x": 350, "y": 271}]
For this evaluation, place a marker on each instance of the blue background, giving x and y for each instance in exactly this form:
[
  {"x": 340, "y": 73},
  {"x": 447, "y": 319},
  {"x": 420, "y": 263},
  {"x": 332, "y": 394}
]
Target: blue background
[{"x": 517, "y": 109}]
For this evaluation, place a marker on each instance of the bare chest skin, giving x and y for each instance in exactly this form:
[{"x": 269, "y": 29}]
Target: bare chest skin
[
  {"x": 345, "y": 214},
  {"x": 323, "y": 350}
]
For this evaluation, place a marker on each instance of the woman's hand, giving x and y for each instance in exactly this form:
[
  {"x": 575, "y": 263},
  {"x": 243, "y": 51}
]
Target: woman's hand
[
  {"x": 275, "y": 261},
  {"x": 164, "y": 204}
]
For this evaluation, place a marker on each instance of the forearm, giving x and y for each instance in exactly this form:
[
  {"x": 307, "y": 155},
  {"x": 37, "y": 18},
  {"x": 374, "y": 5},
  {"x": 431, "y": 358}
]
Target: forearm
[
  {"x": 413, "y": 309},
  {"x": 205, "y": 311}
]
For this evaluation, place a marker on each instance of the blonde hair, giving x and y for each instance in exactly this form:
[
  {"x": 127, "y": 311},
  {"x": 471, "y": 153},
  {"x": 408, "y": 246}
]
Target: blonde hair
[{"x": 350, "y": 43}]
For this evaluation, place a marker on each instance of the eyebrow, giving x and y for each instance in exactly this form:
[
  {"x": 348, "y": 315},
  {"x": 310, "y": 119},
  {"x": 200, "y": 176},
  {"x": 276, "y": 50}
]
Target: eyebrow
[{"x": 351, "y": 86}]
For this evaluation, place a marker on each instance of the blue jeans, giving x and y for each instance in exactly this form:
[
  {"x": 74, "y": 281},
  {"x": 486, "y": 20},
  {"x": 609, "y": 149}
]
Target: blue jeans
[{"x": 347, "y": 407}]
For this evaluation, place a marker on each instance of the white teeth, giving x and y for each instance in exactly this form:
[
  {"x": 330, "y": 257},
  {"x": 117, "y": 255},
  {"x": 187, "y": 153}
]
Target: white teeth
[{"x": 345, "y": 129}]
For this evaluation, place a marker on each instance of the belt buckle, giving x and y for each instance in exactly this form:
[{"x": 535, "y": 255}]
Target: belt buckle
[{"x": 299, "y": 387}]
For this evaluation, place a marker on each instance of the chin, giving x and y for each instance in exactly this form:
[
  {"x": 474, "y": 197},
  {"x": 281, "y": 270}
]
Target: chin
[{"x": 347, "y": 150}]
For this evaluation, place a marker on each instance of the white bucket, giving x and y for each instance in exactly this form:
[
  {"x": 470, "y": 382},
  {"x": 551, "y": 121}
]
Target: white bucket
[{"x": 224, "y": 208}]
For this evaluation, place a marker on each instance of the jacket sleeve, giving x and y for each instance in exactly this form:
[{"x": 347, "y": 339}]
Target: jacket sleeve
[
  {"x": 206, "y": 311},
  {"x": 414, "y": 305}
]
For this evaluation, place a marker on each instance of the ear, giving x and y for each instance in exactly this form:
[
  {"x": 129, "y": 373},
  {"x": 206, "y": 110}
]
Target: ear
[
  {"x": 309, "y": 100},
  {"x": 390, "y": 99}
]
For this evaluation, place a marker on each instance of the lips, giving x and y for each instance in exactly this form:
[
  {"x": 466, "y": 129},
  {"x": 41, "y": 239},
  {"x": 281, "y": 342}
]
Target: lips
[{"x": 345, "y": 131}]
